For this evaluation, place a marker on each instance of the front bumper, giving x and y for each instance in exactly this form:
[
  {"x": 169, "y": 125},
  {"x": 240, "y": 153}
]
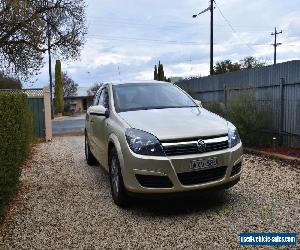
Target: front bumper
[{"x": 173, "y": 167}]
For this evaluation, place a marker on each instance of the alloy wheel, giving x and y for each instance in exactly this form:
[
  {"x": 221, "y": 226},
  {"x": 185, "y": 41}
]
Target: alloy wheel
[{"x": 115, "y": 175}]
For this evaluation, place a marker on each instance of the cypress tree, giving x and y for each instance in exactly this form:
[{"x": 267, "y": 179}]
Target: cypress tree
[
  {"x": 161, "y": 73},
  {"x": 155, "y": 73},
  {"x": 59, "y": 89}
]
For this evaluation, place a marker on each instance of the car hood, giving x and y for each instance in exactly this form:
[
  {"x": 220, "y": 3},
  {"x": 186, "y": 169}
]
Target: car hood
[{"x": 176, "y": 123}]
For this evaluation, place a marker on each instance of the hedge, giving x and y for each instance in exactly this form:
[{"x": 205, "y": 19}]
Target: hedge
[{"x": 16, "y": 133}]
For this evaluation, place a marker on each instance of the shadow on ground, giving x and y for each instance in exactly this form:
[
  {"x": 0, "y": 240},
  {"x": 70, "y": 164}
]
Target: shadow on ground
[
  {"x": 178, "y": 205},
  {"x": 197, "y": 203}
]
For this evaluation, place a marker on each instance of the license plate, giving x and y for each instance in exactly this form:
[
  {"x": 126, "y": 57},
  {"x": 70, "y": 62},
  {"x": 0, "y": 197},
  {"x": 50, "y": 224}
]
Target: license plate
[{"x": 204, "y": 163}]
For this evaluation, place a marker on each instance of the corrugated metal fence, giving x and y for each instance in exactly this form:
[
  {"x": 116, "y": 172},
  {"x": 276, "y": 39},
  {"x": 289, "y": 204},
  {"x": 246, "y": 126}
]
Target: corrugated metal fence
[{"x": 276, "y": 85}]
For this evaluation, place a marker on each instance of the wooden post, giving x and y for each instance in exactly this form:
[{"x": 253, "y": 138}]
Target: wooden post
[{"x": 47, "y": 114}]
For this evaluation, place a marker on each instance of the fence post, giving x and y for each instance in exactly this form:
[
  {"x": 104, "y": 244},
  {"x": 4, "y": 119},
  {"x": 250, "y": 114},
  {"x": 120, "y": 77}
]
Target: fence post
[
  {"x": 281, "y": 128},
  {"x": 47, "y": 114}
]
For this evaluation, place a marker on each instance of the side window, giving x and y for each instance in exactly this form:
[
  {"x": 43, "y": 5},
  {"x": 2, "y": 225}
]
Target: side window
[
  {"x": 96, "y": 98},
  {"x": 104, "y": 98}
]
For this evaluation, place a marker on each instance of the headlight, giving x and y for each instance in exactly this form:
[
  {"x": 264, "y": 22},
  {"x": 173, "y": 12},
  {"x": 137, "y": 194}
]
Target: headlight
[
  {"x": 143, "y": 143},
  {"x": 233, "y": 135}
]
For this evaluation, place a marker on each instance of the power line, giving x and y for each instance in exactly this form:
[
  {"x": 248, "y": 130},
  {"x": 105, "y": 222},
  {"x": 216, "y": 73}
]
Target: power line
[
  {"x": 122, "y": 38},
  {"x": 173, "y": 23},
  {"x": 232, "y": 28},
  {"x": 145, "y": 40}
]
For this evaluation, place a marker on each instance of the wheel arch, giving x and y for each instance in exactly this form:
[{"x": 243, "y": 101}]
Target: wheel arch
[{"x": 113, "y": 142}]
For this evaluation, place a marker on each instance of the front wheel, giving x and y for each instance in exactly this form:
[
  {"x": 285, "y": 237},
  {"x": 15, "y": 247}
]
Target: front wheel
[
  {"x": 90, "y": 159},
  {"x": 118, "y": 189}
]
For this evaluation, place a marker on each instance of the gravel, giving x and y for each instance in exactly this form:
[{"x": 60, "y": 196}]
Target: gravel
[{"x": 64, "y": 204}]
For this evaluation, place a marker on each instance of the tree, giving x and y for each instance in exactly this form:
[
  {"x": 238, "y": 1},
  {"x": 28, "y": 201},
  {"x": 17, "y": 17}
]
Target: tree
[
  {"x": 59, "y": 90},
  {"x": 92, "y": 90},
  {"x": 250, "y": 62},
  {"x": 226, "y": 66},
  {"x": 8, "y": 82},
  {"x": 70, "y": 87},
  {"x": 155, "y": 73},
  {"x": 161, "y": 73},
  {"x": 26, "y": 25},
  {"x": 167, "y": 79}
]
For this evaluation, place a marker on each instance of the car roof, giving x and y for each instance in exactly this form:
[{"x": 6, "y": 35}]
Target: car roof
[
  {"x": 137, "y": 82},
  {"x": 131, "y": 82}
]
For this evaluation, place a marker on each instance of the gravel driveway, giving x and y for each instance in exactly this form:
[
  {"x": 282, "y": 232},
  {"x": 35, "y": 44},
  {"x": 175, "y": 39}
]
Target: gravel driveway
[{"x": 63, "y": 203}]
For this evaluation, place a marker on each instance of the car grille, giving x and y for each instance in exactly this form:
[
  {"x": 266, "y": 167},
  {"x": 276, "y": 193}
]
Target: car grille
[
  {"x": 202, "y": 176},
  {"x": 236, "y": 169},
  {"x": 154, "y": 181},
  {"x": 191, "y": 146}
]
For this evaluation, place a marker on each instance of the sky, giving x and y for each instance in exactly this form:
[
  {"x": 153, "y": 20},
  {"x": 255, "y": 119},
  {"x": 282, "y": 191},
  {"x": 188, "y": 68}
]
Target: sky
[{"x": 126, "y": 39}]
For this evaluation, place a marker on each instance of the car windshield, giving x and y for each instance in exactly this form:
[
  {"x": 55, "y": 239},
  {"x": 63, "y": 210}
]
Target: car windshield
[{"x": 138, "y": 96}]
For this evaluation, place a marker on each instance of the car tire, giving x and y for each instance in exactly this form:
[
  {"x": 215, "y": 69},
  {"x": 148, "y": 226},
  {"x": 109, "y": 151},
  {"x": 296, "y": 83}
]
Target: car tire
[
  {"x": 118, "y": 190},
  {"x": 90, "y": 158}
]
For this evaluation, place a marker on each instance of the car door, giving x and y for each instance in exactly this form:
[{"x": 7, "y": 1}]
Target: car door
[
  {"x": 89, "y": 123},
  {"x": 99, "y": 127}
]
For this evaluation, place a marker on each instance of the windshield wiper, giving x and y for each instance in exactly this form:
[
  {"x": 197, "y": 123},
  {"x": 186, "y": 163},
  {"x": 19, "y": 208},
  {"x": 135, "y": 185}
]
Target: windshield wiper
[{"x": 158, "y": 107}]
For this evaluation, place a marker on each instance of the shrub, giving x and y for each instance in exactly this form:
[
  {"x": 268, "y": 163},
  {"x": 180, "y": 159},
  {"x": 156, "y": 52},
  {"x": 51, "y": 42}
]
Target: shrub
[
  {"x": 67, "y": 107},
  {"x": 250, "y": 118},
  {"x": 16, "y": 133},
  {"x": 217, "y": 108}
]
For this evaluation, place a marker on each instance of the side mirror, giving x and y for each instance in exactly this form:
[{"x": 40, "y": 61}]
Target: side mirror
[
  {"x": 199, "y": 103},
  {"x": 98, "y": 110}
]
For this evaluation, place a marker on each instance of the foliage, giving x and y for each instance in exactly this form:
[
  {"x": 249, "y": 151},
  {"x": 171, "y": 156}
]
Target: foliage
[
  {"x": 67, "y": 108},
  {"x": 59, "y": 90},
  {"x": 246, "y": 63},
  {"x": 16, "y": 133},
  {"x": 93, "y": 90},
  {"x": 191, "y": 77},
  {"x": 70, "y": 87},
  {"x": 251, "y": 119},
  {"x": 7, "y": 82},
  {"x": 217, "y": 108},
  {"x": 250, "y": 62},
  {"x": 226, "y": 66},
  {"x": 175, "y": 79},
  {"x": 159, "y": 73},
  {"x": 155, "y": 73},
  {"x": 26, "y": 26}
]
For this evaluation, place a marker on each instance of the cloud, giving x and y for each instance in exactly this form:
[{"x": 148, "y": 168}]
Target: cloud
[{"x": 131, "y": 36}]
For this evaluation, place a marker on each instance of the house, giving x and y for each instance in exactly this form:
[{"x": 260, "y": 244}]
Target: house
[{"x": 80, "y": 102}]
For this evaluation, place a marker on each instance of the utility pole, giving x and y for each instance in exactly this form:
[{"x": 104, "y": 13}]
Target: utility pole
[
  {"x": 211, "y": 9},
  {"x": 275, "y": 44},
  {"x": 50, "y": 70},
  {"x": 211, "y": 37}
]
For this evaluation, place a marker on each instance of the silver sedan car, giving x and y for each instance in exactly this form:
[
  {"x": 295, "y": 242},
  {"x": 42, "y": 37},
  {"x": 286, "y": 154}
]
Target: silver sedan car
[{"x": 153, "y": 138}]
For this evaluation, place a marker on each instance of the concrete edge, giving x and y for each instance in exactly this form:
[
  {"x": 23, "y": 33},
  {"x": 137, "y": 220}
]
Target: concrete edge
[{"x": 274, "y": 155}]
